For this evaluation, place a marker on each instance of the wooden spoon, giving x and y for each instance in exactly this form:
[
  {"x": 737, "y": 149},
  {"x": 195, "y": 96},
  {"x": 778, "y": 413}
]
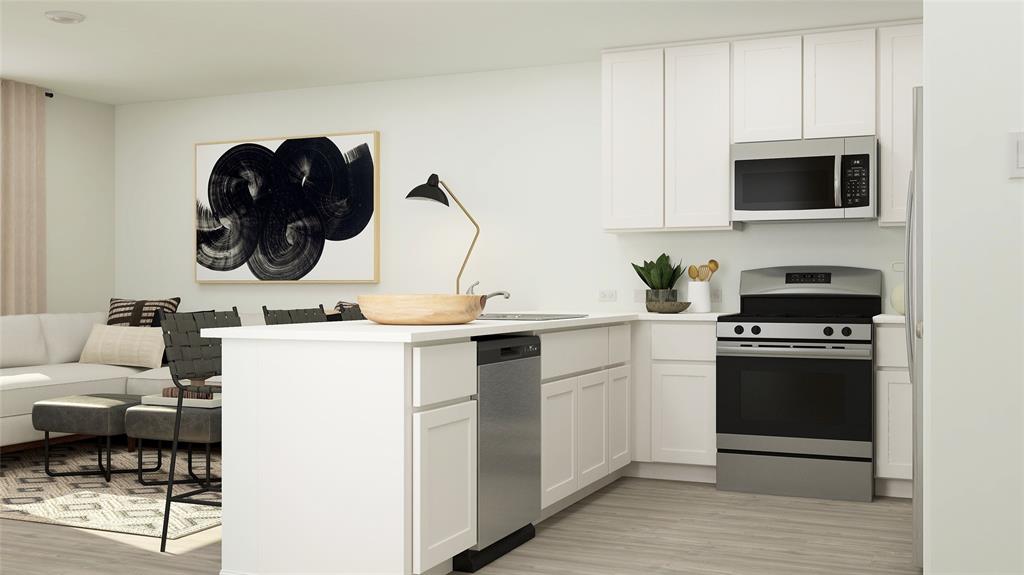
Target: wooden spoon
[
  {"x": 703, "y": 273},
  {"x": 692, "y": 271},
  {"x": 713, "y": 266}
]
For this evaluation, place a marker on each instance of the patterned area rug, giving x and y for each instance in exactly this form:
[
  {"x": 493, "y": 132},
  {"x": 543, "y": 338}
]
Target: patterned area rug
[{"x": 122, "y": 506}]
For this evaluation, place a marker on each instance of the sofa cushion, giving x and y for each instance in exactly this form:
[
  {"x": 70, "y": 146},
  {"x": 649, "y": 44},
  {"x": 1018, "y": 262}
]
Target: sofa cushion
[
  {"x": 66, "y": 334},
  {"x": 21, "y": 341},
  {"x": 20, "y": 387},
  {"x": 97, "y": 414},
  {"x": 153, "y": 381}
]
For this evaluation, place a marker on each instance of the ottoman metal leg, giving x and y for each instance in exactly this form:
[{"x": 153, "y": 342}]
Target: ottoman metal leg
[{"x": 103, "y": 470}]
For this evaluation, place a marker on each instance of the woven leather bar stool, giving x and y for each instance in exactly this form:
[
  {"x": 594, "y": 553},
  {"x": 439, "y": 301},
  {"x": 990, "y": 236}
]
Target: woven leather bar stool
[
  {"x": 283, "y": 316},
  {"x": 192, "y": 360}
]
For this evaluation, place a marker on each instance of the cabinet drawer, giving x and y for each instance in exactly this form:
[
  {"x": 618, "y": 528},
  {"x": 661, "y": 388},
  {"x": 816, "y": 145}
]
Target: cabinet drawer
[
  {"x": 443, "y": 372},
  {"x": 683, "y": 341},
  {"x": 566, "y": 352},
  {"x": 890, "y": 346}
]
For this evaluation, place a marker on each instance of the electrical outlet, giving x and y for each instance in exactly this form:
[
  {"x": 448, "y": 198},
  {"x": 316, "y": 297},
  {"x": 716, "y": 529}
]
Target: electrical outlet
[
  {"x": 607, "y": 295},
  {"x": 716, "y": 295}
]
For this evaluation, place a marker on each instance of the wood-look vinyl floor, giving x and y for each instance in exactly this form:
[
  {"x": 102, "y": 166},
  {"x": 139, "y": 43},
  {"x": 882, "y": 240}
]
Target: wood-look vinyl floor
[{"x": 633, "y": 526}]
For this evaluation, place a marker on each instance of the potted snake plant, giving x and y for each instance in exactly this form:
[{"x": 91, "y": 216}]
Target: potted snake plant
[{"x": 661, "y": 277}]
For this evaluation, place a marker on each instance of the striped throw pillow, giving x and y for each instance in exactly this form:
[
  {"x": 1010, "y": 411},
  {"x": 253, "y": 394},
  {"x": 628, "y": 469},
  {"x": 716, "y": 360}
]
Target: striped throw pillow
[{"x": 140, "y": 312}]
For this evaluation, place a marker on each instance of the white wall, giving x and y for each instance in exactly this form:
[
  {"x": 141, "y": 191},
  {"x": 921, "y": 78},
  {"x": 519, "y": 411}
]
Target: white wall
[
  {"x": 521, "y": 148},
  {"x": 79, "y": 204},
  {"x": 974, "y": 325}
]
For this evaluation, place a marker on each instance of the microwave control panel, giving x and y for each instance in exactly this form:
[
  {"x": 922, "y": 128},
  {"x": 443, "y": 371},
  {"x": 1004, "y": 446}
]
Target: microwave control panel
[{"x": 856, "y": 180}]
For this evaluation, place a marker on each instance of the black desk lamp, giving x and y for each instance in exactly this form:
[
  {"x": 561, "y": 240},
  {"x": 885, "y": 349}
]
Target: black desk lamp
[{"x": 432, "y": 190}]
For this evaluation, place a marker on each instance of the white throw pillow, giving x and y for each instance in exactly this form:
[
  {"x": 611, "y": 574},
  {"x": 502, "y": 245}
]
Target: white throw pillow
[{"x": 123, "y": 345}]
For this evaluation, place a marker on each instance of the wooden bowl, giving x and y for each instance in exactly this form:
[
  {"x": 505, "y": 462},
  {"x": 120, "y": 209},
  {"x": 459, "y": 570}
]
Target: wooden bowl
[{"x": 422, "y": 309}]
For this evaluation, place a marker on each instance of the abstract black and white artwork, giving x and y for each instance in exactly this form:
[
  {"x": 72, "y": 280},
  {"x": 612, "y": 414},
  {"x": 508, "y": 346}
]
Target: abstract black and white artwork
[{"x": 297, "y": 209}]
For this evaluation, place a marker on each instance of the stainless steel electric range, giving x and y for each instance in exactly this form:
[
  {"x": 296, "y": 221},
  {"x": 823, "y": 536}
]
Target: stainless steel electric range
[{"x": 794, "y": 383}]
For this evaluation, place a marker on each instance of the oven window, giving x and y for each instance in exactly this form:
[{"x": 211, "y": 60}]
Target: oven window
[
  {"x": 795, "y": 397},
  {"x": 806, "y": 183}
]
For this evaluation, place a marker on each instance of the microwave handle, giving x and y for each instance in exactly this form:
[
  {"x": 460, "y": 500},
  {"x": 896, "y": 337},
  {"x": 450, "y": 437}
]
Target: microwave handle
[{"x": 836, "y": 181}]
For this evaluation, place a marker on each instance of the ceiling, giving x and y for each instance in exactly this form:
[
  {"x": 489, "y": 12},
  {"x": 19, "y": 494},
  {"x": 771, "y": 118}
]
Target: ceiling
[{"x": 132, "y": 51}]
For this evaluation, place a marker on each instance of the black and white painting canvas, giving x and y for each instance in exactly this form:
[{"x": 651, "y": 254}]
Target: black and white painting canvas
[{"x": 298, "y": 209}]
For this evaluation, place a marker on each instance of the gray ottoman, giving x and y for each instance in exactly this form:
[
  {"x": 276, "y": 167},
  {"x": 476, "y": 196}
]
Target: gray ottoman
[
  {"x": 100, "y": 414},
  {"x": 156, "y": 423}
]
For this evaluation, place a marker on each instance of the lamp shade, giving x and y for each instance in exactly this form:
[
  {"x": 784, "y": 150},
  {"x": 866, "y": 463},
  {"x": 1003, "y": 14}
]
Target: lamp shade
[{"x": 429, "y": 191}]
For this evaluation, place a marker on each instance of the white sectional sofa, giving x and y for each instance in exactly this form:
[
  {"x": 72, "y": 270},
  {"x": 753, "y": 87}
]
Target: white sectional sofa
[{"x": 39, "y": 360}]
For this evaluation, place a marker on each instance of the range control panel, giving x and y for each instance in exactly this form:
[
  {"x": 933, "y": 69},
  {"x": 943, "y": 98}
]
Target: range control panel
[
  {"x": 809, "y": 278},
  {"x": 856, "y": 179}
]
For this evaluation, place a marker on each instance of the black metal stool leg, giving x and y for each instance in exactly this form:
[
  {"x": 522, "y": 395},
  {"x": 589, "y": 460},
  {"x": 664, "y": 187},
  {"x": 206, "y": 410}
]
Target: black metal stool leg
[{"x": 170, "y": 473}]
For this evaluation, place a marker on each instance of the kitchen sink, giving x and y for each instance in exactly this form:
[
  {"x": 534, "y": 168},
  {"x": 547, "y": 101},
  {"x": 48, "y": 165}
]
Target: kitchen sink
[{"x": 531, "y": 316}]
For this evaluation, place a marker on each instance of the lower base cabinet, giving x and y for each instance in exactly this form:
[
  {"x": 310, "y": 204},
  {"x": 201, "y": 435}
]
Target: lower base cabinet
[
  {"x": 683, "y": 413},
  {"x": 444, "y": 479},
  {"x": 585, "y": 430},
  {"x": 894, "y": 424}
]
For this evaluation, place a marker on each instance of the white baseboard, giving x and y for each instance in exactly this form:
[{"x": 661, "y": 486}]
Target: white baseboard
[
  {"x": 894, "y": 488},
  {"x": 671, "y": 472}
]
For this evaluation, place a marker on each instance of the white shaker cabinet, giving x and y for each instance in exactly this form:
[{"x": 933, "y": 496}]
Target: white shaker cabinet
[
  {"x": 683, "y": 413},
  {"x": 899, "y": 72},
  {"x": 766, "y": 98},
  {"x": 894, "y": 424},
  {"x": 697, "y": 136},
  {"x": 620, "y": 439},
  {"x": 558, "y": 401},
  {"x": 633, "y": 139},
  {"x": 592, "y": 419},
  {"x": 444, "y": 483},
  {"x": 839, "y": 84}
]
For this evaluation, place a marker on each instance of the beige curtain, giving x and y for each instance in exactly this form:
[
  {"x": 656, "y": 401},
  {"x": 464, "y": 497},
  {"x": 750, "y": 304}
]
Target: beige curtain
[{"x": 22, "y": 199}]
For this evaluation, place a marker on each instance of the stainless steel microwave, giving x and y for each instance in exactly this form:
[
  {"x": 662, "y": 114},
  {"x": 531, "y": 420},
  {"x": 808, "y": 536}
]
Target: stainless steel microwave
[{"x": 824, "y": 179}]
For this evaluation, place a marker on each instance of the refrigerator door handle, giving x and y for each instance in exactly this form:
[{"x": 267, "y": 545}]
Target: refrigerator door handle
[{"x": 908, "y": 284}]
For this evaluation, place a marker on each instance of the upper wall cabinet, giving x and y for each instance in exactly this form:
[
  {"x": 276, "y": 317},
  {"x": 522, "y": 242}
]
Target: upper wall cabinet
[
  {"x": 766, "y": 99},
  {"x": 633, "y": 139},
  {"x": 697, "y": 136},
  {"x": 839, "y": 84},
  {"x": 899, "y": 72}
]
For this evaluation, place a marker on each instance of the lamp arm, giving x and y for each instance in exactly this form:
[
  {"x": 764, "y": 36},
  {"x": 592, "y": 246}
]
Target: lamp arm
[{"x": 458, "y": 278}]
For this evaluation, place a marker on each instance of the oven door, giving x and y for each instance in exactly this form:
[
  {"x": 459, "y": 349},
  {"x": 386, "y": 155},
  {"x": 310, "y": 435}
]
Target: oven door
[
  {"x": 790, "y": 180},
  {"x": 813, "y": 394}
]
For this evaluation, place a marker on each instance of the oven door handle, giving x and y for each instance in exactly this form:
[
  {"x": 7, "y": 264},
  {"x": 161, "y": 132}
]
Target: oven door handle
[{"x": 858, "y": 352}]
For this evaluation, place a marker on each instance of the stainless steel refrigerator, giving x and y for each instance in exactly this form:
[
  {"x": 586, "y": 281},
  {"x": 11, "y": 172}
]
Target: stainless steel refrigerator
[{"x": 914, "y": 298}]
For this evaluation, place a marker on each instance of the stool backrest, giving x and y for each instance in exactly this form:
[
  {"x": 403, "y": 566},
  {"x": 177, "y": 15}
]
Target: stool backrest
[
  {"x": 283, "y": 316},
  {"x": 189, "y": 355}
]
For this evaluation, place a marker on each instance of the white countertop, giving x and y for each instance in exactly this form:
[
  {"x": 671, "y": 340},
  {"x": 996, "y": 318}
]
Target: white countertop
[
  {"x": 367, "y": 331},
  {"x": 889, "y": 318}
]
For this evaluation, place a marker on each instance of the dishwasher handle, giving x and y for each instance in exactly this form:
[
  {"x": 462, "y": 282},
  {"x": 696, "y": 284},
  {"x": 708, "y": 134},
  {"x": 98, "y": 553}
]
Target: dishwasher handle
[{"x": 503, "y": 349}]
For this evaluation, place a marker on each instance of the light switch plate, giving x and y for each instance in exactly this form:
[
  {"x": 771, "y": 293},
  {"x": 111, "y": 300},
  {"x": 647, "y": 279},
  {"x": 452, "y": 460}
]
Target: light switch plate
[{"x": 1016, "y": 154}]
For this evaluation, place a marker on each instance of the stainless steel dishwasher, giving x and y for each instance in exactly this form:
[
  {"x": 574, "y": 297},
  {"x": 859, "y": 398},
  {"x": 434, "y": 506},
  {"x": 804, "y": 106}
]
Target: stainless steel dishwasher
[{"x": 508, "y": 444}]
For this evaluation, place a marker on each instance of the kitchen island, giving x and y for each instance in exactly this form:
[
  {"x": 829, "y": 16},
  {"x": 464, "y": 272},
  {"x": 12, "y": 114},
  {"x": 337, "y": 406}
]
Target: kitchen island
[{"x": 350, "y": 447}]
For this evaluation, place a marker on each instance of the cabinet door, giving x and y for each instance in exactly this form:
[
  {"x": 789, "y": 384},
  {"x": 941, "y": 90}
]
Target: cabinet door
[
  {"x": 558, "y": 440},
  {"x": 683, "y": 413},
  {"x": 620, "y": 440},
  {"x": 839, "y": 84},
  {"x": 894, "y": 424},
  {"x": 593, "y": 427},
  {"x": 444, "y": 483},
  {"x": 697, "y": 136},
  {"x": 899, "y": 72},
  {"x": 766, "y": 97},
  {"x": 633, "y": 139}
]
